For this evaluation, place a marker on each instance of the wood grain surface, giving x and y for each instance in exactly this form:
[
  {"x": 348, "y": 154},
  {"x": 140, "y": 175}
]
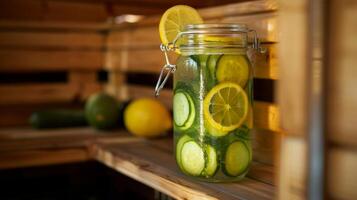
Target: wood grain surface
[
  {"x": 148, "y": 161},
  {"x": 136, "y": 160}
]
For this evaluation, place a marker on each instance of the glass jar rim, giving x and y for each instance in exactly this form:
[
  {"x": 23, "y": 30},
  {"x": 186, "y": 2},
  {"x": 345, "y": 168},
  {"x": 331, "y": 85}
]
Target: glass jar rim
[
  {"x": 218, "y": 37},
  {"x": 237, "y": 27}
]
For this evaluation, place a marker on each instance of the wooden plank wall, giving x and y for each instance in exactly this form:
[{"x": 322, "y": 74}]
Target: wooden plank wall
[
  {"x": 299, "y": 50},
  {"x": 341, "y": 105},
  {"x": 76, "y": 52},
  {"x": 69, "y": 11},
  {"x": 135, "y": 50},
  {"x": 291, "y": 96}
]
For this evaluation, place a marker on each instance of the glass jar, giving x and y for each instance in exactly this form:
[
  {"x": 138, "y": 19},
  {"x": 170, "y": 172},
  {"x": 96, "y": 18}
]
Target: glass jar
[{"x": 213, "y": 100}]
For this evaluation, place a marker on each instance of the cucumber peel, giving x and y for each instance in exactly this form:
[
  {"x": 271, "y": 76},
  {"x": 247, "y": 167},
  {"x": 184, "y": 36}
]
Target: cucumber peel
[
  {"x": 179, "y": 145},
  {"x": 184, "y": 110},
  {"x": 211, "y": 163}
]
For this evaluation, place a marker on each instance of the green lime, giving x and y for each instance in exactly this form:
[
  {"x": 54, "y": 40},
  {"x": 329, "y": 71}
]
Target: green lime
[{"x": 102, "y": 111}]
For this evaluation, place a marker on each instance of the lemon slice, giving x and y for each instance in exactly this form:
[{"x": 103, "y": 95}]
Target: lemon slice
[
  {"x": 222, "y": 39},
  {"x": 233, "y": 68},
  {"x": 174, "y": 20},
  {"x": 225, "y": 107}
]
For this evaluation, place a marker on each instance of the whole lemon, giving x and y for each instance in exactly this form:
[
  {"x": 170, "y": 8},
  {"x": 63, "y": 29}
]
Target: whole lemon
[{"x": 147, "y": 117}]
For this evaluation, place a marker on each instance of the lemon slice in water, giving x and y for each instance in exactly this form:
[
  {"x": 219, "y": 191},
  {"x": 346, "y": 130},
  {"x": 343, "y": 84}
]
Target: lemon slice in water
[{"x": 226, "y": 107}]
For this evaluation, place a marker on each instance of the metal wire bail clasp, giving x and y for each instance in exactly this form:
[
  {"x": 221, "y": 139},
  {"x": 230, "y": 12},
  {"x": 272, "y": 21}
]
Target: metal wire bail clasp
[
  {"x": 170, "y": 68},
  {"x": 256, "y": 42}
]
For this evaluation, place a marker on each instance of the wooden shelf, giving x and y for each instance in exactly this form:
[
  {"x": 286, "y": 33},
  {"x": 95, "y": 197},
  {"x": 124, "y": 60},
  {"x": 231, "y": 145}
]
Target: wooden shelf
[{"x": 148, "y": 161}]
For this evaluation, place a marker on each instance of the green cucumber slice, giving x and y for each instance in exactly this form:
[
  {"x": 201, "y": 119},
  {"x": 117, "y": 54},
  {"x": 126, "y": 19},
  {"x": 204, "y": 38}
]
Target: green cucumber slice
[
  {"x": 184, "y": 110},
  {"x": 192, "y": 158},
  {"x": 237, "y": 159},
  {"x": 211, "y": 166},
  {"x": 179, "y": 145},
  {"x": 233, "y": 68},
  {"x": 181, "y": 108},
  {"x": 211, "y": 64},
  {"x": 211, "y": 71},
  {"x": 201, "y": 59}
]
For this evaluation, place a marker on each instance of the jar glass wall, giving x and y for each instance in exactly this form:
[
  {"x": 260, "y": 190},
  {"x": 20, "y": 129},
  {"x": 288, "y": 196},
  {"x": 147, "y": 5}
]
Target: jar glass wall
[{"x": 213, "y": 103}]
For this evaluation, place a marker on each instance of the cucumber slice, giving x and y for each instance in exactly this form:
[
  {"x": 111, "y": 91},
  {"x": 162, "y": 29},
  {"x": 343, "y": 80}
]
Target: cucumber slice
[
  {"x": 211, "y": 64},
  {"x": 181, "y": 108},
  {"x": 211, "y": 166},
  {"x": 200, "y": 59},
  {"x": 211, "y": 71},
  {"x": 184, "y": 110},
  {"x": 233, "y": 68},
  {"x": 237, "y": 159},
  {"x": 179, "y": 145},
  {"x": 192, "y": 158}
]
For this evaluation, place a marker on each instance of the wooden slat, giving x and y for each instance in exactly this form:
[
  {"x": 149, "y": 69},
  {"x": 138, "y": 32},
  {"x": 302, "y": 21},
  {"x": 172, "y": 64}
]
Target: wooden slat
[
  {"x": 25, "y": 139},
  {"x": 215, "y": 12},
  {"x": 49, "y": 25},
  {"x": 148, "y": 36},
  {"x": 292, "y": 98},
  {"x": 134, "y": 92},
  {"x": 23, "y": 148},
  {"x": 264, "y": 146},
  {"x": 266, "y": 116},
  {"x": 31, "y": 60},
  {"x": 292, "y": 168},
  {"x": 342, "y": 72},
  {"x": 138, "y": 9},
  {"x": 70, "y": 10},
  {"x": 136, "y": 160},
  {"x": 266, "y": 64},
  {"x": 65, "y": 40},
  {"x": 73, "y": 11},
  {"x": 42, "y": 157},
  {"x": 116, "y": 80},
  {"x": 88, "y": 89},
  {"x": 292, "y": 66},
  {"x": 342, "y": 178},
  {"x": 243, "y": 8},
  {"x": 137, "y": 60},
  {"x": 20, "y": 9},
  {"x": 82, "y": 77},
  {"x": 87, "y": 82},
  {"x": 45, "y": 93},
  {"x": 151, "y": 60},
  {"x": 38, "y": 93},
  {"x": 137, "y": 37},
  {"x": 52, "y": 10},
  {"x": 265, "y": 24},
  {"x": 15, "y": 115}
]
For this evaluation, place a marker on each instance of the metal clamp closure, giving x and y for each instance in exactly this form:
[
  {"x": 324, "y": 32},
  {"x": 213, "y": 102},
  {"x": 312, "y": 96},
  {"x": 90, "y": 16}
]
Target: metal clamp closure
[{"x": 170, "y": 68}]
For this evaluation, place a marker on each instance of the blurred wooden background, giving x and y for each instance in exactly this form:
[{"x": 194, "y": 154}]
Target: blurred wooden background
[{"x": 55, "y": 53}]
